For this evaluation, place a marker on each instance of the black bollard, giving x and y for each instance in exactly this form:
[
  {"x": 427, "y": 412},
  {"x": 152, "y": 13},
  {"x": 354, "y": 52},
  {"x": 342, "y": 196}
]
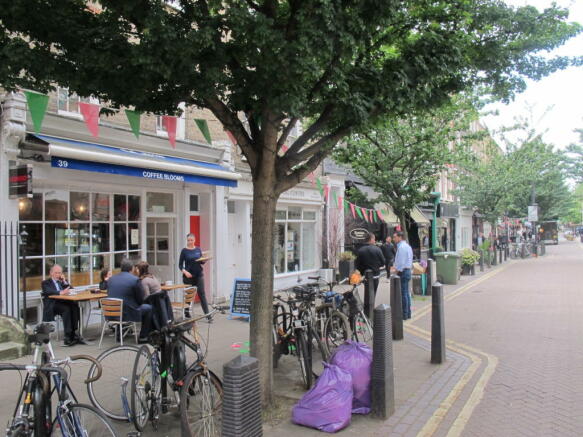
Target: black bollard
[
  {"x": 369, "y": 294},
  {"x": 481, "y": 260},
  {"x": 396, "y": 308},
  {"x": 523, "y": 250},
  {"x": 494, "y": 257},
  {"x": 382, "y": 382},
  {"x": 500, "y": 255},
  {"x": 437, "y": 325},
  {"x": 242, "y": 398},
  {"x": 505, "y": 254}
]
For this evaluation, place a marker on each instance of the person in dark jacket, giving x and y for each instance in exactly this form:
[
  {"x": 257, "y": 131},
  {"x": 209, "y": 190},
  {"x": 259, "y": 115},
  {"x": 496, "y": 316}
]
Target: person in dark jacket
[
  {"x": 370, "y": 257},
  {"x": 389, "y": 252},
  {"x": 128, "y": 287},
  {"x": 69, "y": 311},
  {"x": 104, "y": 277},
  {"x": 190, "y": 264}
]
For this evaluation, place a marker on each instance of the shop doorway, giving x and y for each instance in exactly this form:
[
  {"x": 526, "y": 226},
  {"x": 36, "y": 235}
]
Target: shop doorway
[{"x": 161, "y": 251}]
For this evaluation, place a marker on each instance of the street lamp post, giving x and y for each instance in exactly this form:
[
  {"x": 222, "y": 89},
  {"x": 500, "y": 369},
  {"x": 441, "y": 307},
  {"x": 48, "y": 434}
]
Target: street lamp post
[
  {"x": 436, "y": 196},
  {"x": 23, "y": 242}
]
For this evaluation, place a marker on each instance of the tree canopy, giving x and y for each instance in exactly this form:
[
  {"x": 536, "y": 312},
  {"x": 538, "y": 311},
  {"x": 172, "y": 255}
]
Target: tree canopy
[
  {"x": 402, "y": 158},
  {"x": 262, "y": 65}
]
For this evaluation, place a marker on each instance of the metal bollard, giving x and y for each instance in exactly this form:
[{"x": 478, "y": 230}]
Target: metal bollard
[
  {"x": 382, "y": 381},
  {"x": 481, "y": 259},
  {"x": 543, "y": 248},
  {"x": 500, "y": 255},
  {"x": 396, "y": 308},
  {"x": 494, "y": 257},
  {"x": 242, "y": 398},
  {"x": 431, "y": 275},
  {"x": 437, "y": 325},
  {"x": 523, "y": 250},
  {"x": 369, "y": 294},
  {"x": 505, "y": 253}
]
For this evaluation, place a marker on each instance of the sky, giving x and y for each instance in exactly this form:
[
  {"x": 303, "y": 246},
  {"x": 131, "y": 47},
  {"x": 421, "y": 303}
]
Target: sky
[{"x": 556, "y": 102}]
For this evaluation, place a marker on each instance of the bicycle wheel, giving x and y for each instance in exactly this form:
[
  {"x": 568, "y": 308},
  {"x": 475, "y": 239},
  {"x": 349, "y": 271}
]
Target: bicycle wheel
[
  {"x": 201, "y": 403},
  {"x": 82, "y": 421},
  {"x": 361, "y": 329},
  {"x": 107, "y": 394},
  {"x": 145, "y": 388},
  {"x": 304, "y": 358},
  {"x": 336, "y": 331},
  {"x": 40, "y": 412}
]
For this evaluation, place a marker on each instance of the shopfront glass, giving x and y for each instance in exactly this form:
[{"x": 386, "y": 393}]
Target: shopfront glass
[
  {"x": 83, "y": 232},
  {"x": 294, "y": 239}
]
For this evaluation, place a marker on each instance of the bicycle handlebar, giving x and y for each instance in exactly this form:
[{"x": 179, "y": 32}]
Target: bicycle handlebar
[{"x": 92, "y": 360}]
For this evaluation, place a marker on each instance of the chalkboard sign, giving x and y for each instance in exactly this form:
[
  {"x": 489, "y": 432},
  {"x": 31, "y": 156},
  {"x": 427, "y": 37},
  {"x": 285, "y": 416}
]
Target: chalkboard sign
[{"x": 241, "y": 298}]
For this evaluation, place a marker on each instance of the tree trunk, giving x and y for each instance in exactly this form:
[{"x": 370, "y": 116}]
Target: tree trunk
[
  {"x": 264, "y": 204},
  {"x": 403, "y": 223}
]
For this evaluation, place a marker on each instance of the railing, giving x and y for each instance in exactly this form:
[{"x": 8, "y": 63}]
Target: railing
[{"x": 9, "y": 270}]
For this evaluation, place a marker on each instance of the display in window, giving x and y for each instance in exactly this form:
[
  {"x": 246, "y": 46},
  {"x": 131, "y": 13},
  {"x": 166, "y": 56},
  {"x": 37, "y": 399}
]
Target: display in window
[
  {"x": 120, "y": 207},
  {"x": 56, "y": 205},
  {"x": 56, "y": 239},
  {"x": 100, "y": 205},
  {"x": 31, "y": 209},
  {"x": 79, "y": 206}
]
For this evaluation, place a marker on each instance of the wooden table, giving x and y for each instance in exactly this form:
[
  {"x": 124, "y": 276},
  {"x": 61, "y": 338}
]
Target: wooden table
[
  {"x": 173, "y": 289},
  {"x": 80, "y": 297}
]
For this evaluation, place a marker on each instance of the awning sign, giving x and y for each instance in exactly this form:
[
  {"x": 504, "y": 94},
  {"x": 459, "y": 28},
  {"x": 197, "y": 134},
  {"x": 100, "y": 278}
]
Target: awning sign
[{"x": 102, "y": 167}]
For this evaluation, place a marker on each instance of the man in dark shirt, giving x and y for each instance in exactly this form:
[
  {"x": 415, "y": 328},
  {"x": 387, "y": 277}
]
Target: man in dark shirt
[
  {"x": 128, "y": 287},
  {"x": 370, "y": 257},
  {"x": 69, "y": 311},
  {"x": 389, "y": 252}
]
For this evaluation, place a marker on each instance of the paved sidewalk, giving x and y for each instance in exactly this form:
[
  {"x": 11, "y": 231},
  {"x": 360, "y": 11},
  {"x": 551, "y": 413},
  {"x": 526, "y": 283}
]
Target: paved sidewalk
[{"x": 420, "y": 387}]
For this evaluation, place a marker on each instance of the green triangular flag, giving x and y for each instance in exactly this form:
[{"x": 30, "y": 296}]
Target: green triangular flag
[
  {"x": 204, "y": 128},
  {"x": 37, "y": 105},
  {"x": 359, "y": 212},
  {"x": 346, "y": 207},
  {"x": 334, "y": 198},
  {"x": 134, "y": 119},
  {"x": 319, "y": 184}
]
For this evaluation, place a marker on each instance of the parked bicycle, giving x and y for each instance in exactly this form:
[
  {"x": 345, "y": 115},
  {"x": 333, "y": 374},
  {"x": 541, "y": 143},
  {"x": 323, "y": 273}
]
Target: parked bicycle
[{"x": 33, "y": 415}]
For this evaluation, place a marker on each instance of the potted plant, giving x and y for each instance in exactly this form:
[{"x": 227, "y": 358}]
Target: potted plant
[
  {"x": 469, "y": 259},
  {"x": 346, "y": 264}
]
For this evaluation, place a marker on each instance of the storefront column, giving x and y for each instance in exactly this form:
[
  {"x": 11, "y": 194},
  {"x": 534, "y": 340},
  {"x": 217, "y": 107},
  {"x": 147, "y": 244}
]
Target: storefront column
[{"x": 220, "y": 250}]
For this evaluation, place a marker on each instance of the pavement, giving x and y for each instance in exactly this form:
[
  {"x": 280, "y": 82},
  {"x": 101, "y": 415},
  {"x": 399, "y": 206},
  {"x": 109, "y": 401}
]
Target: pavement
[{"x": 514, "y": 360}]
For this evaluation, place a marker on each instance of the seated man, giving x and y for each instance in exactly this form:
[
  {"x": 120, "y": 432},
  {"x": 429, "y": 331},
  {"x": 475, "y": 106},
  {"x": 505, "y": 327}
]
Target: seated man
[
  {"x": 69, "y": 311},
  {"x": 128, "y": 287}
]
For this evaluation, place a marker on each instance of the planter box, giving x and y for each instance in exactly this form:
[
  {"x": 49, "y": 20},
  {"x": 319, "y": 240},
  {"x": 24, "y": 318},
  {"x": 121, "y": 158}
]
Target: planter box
[
  {"x": 345, "y": 268},
  {"x": 467, "y": 269}
]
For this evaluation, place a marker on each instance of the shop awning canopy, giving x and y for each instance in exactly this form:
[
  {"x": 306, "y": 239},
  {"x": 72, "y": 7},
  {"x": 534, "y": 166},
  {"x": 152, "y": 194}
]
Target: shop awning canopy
[
  {"x": 78, "y": 155},
  {"x": 391, "y": 218},
  {"x": 419, "y": 217}
]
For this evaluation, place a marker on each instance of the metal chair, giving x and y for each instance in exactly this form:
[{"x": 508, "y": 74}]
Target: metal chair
[
  {"x": 185, "y": 306},
  {"x": 58, "y": 319},
  {"x": 112, "y": 315}
]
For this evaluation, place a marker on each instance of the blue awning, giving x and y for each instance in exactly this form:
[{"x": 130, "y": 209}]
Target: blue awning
[{"x": 77, "y": 155}]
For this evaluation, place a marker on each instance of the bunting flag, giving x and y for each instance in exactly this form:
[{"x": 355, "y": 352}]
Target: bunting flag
[
  {"x": 204, "y": 129},
  {"x": 365, "y": 214},
  {"x": 358, "y": 211},
  {"x": 134, "y": 120},
  {"x": 334, "y": 198},
  {"x": 340, "y": 201},
  {"x": 372, "y": 216},
  {"x": 319, "y": 185},
  {"x": 169, "y": 122},
  {"x": 346, "y": 205},
  {"x": 352, "y": 209},
  {"x": 284, "y": 149},
  {"x": 37, "y": 105},
  {"x": 312, "y": 177},
  {"x": 326, "y": 192},
  {"x": 90, "y": 113},
  {"x": 232, "y": 137},
  {"x": 380, "y": 216}
]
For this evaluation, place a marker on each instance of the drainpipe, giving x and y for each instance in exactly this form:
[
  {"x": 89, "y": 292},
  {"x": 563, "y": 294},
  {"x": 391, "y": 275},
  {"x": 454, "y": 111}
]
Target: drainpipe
[{"x": 436, "y": 197}]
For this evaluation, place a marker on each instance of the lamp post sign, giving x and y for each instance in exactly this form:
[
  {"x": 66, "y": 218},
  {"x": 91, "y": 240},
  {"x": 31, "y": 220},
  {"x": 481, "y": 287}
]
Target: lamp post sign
[{"x": 533, "y": 213}]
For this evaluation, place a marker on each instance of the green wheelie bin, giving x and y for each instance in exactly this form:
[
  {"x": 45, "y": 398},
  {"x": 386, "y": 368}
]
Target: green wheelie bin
[{"x": 448, "y": 267}]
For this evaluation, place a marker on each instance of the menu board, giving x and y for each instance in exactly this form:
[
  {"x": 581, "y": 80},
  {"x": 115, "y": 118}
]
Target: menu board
[{"x": 241, "y": 298}]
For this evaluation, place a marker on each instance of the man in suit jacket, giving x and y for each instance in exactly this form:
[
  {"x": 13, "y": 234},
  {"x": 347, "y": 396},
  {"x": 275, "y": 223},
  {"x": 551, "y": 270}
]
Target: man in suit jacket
[
  {"x": 389, "y": 252},
  {"x": 69, "y": 311},
  {"x": 128, "y": 287},
  {"x": 370, "y": 257}
]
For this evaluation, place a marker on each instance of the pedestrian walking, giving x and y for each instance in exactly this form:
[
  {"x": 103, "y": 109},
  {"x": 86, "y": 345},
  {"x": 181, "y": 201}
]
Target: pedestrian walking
[
  {"x": 403, "y": 266},
  {"x": 389, "y": 252},
  {"x": 370, "y": 257},
  {"x": 190, "y": 264}
]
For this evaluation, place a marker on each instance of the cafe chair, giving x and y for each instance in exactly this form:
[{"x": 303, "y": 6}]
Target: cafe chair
[
  {"x": 184, "y": 308},
  {"x": 58, "y": 319},
  {"x": 112, "y": 316}
]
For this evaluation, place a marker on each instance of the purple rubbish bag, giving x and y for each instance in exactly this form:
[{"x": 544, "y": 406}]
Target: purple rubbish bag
[
  {"x": 327, "y": 406},
  {"x": 356, "y": 359}
]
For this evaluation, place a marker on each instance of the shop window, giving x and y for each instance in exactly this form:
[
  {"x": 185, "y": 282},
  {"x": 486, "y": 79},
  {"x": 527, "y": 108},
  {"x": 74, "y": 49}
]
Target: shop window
[
  {"x": 56, "y": 235},
  {"x": 194, "y": 203},
  {"x": 231, "y": 207},
  {"x": 33, "y": 268},
  {"x": 34, "y": 241},
  {"x": 120, "y": 207},
  {"x": 79, "y": 238},
  {"x": 133, "y": 208},
  {"x": 159, "y": 202},
  {"x": 80, "y": 271},
  {"x": 56, "y": 205},
  {"x": 100, "y": 207},
  {"x": 31, "y": 209},
  {"x": 100, "y": 238},
  {"x": 79, "y": 206},
  {"x": 99, "y": 263},
  {"x": 134, "y": 236},
  {"x": 120, "y": 237},
  {"x": 295, "y": 240}
]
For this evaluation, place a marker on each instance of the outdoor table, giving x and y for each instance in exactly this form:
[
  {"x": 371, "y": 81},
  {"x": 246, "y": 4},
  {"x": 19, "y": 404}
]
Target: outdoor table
[
  {"x": 173, "y": 289},
  {"x": 80, "y": 298}
]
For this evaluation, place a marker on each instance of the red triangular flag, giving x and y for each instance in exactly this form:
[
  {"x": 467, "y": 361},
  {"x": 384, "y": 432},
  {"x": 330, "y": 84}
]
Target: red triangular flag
[
  {"x": 284, "y": 148},
  {"x": 312, "y": 177},
  {"x": 353, "y": 210},
  {"x": 169, "y": 122},
  {"x": 326, "y": 192},
  {"x": 365, "y": 214},
  {"x": 380, "y": 216},
  {"x": 340, "y": 202},
  {"x": 372, "y": 216},
  {"x": 231, "y": 137},
  {"x": 90, "y": 113}
]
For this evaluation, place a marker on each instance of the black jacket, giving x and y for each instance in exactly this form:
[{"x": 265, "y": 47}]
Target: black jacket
[
  {"x": 370, "y": 257},
  {"x": 49, "y": 289},
  {"x": 127, "y": 287},
  {"x": 389, "y": 252}
]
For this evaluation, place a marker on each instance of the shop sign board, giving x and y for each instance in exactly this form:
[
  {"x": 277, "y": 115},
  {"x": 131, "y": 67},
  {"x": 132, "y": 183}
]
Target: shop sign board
[
  {"x": 241, "y": 298},
  {"x": 533, "y": 213},
  {"x": 359, "y": 234},
  {"x": 20, "y": 181}
]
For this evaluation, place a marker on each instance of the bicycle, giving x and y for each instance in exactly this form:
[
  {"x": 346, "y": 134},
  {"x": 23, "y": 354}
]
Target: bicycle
[{"x": 33, "y": 414}]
